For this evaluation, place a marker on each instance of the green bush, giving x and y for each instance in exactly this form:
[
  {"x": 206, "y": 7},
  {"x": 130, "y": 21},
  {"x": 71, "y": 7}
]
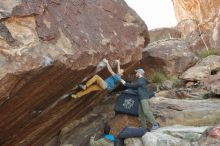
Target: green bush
[
  {"x": 176, "y": 82},
  {"x": 206, "y": 95},
  {"x": 206, "y": 53},
  {"x": 158, "y": 77}
]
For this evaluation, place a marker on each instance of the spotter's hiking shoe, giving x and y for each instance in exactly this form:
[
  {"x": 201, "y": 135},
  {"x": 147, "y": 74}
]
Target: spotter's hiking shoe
[{"x": 155, "y": 126}]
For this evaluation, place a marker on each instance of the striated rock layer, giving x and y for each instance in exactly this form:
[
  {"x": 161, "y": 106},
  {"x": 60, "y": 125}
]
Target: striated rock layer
[
  {"x": 47, "y": 47},
  {"x": 186, "y": 112}
]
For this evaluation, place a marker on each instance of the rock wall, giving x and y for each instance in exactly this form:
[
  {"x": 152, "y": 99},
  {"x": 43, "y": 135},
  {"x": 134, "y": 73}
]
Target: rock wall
[
  {"x": 216, "y": 33},
  {"x": 49, "y": 46},
  {"x": 199, "y": 10},
  {"x": 198, "y": 21}
]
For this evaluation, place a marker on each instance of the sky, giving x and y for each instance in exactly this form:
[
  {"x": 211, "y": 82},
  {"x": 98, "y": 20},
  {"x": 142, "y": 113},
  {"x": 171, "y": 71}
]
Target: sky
[{"x": 155, "y": 13}]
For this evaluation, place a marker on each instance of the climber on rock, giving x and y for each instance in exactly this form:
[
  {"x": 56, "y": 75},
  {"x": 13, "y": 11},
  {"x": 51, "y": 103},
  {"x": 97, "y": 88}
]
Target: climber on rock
[
  {"x": 144, "y": 108},
  {"x": 96, "y": 83}
]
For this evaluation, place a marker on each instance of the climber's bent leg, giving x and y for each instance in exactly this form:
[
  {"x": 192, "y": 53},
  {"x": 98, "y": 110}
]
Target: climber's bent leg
[
  {"x": 98, "y": 80},
  {"x": 88, "y": 90}
]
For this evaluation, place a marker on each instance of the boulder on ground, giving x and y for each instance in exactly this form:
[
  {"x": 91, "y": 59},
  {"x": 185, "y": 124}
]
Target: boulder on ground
[
  {"x": 186, "y": 111},
  {"x": 171, "y": 56},
  {"x": 176, "y": 135},
  {"x": 212, "y": 83},
  {"x": 210, "y": 137},
  {"x": 202, "y": 69}
]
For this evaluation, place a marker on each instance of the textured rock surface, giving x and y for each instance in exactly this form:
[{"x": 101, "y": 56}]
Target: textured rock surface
[
  {"x": 202, "y": 69},
  {"x": 6, "y": 7},
  {"x": 186, "y": 112},
  {"x": 78, "y": 132},
  {"x": 47, "y": 47},
  {"x": 176, "y": 135},
  {"x": 166, "y": 94},
  {"x": 212, "y": 83},
  {"x": 199, "y": 17},
  {"x": 133, "y": 142},
  {"x": 167, "y": 111},
  {"x": 216, "y": 33},
  {"x": 121, "y": 121},
  {"x": 186, "y": 27},
  {"x": 163, "y": 33},
  {"x": 183, "y": 93},
  {"x": 200, "y": 10},
  {"x": 70, "y": 35},
  {"x": 207, "y": 140},
  {"x": 167, "y": 85},
  {"x": 170, "y": 56},
  {"x": 198, "y": 42}
]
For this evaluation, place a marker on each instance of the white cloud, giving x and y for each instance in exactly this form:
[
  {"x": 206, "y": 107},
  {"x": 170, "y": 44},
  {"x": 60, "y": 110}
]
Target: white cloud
[{"x": 155, "y": 13}]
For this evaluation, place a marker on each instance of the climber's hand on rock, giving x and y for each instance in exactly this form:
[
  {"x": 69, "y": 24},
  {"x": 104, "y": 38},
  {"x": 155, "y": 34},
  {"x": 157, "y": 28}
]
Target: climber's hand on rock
[
  {"x": 93, "y": 137},
  {"x": 105, "y": 61},
  {"x": 117, "y": 61}
]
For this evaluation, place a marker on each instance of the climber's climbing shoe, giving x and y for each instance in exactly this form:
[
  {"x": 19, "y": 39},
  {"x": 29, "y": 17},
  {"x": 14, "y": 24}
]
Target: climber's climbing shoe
[
  {"x": 72, "y": 95},
  {"x": 81, "y": 86}
]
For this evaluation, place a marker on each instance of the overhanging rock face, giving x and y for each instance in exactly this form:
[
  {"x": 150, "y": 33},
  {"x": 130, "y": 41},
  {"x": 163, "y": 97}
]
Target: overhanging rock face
[{"x": 47, "y": 47}]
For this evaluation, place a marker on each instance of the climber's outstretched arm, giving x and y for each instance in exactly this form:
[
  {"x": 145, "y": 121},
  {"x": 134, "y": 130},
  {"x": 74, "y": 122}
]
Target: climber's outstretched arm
[
  {"x": 118, "y": 64},
  {"x": 109, "y": 68}
]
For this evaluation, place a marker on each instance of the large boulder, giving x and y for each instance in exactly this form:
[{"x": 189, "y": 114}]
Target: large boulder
[
  {"x": 202, "y": 69},
  {"x": 186, "y": 111},
  {"x": 176, "y": 135},
  {"x": 210, "y": 137},
  {"x": 163, "y": 33},
  {"x": 212, "y": 83},
  {"x": 171, "y": 56},
  {"x": 49, "y": 46}
]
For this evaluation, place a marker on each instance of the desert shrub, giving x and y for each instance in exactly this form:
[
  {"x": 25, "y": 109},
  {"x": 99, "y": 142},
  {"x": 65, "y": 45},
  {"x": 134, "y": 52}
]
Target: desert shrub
[
  {"x": 158, "y": 77},
  {"x": 206, "y": 53},
  {"x": 176, "y": 82}
]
